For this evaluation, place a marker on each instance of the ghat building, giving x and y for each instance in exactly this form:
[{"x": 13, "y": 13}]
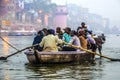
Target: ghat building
[{"x": 60, "y": 17}]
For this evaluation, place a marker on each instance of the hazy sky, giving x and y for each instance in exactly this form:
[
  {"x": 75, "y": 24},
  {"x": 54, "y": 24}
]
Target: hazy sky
[{"x": 106, "y": 8}]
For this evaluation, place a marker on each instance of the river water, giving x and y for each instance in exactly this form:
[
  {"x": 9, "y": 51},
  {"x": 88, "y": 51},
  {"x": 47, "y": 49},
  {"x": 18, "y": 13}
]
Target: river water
[{"x": 18, "y": 68}]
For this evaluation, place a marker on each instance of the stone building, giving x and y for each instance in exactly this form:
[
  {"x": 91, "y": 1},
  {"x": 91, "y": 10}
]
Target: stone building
[{"x": 60, "y": 17}]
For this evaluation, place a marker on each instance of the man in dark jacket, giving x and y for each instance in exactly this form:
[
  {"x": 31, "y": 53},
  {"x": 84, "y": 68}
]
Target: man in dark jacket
[{"x": 38, "y": 39}]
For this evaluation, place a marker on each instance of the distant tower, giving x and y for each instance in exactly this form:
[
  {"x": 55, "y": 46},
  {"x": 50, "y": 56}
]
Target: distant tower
[{"x": 60, "y": 17}]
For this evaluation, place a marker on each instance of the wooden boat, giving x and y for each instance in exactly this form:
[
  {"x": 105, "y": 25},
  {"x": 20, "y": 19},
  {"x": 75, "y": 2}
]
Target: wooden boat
[{"x": 57, "y": 57}]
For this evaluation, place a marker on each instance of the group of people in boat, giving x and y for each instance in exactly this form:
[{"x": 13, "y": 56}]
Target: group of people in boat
[{"x": 51, "y": 40}]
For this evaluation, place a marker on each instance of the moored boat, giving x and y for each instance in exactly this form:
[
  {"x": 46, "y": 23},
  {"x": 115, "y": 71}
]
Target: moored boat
[{"x": 57, "y": 57}]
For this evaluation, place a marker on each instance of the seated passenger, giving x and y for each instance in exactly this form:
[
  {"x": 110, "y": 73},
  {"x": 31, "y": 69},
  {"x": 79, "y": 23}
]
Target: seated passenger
[
  {"x": 75, "y": 40},
  {"x": 66, "y": 35},
  {"x": 38, "y": 39},
  {"x": 59, "y": 33},
  {"x": 82, "y": 38},
  {"x": 49, "y": 42}
]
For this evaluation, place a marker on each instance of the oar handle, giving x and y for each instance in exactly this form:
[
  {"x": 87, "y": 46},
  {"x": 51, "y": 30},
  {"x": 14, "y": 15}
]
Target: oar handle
[{"x": 22, "y": 50}]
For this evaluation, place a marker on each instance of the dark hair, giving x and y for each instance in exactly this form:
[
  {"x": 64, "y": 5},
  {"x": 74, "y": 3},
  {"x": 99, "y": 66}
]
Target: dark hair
[
  {"x": 83, "y": 23},
  {"x": 58, "y": 28},
  {"x": 51, "y": 31},
  {"x": 40, "y": 32},
  {"x": 69, "y": 29},
  {"x": 45, "y": 31},
  {"x": 74, "y": 32}
]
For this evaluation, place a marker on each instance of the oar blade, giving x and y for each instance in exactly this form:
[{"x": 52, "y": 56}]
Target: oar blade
[
  {"x": 3, "y": 58},
  {"x": 115, "y": 59}
]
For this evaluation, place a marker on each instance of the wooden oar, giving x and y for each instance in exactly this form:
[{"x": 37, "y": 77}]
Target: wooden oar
[
  {"x": 9, "y": 44},
  {"x": 5, "y": 57},
  {"x": 89, "y": 51}
]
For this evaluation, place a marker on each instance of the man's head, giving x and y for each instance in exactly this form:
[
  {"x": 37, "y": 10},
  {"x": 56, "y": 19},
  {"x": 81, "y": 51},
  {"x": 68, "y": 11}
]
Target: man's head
[
  {"x": 45, "y": 31},
  {"x": 40, "y": 32},
  {"x": 58, "y": 29},
  {"x": 67, "y": 30},
  {"x": 51, "y": 31},
  {"x": 83, "y": 24},
  {"x": 73, "y": 32}
]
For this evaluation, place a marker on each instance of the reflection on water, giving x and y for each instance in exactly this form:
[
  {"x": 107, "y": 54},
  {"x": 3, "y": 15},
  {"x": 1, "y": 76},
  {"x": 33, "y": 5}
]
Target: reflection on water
[
  {"x": 5, "y": 46},
  {"x": 18, "y": 68},
  {"x": 6, "y": 73},
  {"x": 86, "y": 71}
]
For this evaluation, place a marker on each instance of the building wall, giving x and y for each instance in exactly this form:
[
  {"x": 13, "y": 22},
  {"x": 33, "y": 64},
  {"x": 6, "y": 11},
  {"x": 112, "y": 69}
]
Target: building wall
[
  {"x": 60, "y": 17},
  {"x": 3, "y": 9},
  {"x": 60, "y": 21}
]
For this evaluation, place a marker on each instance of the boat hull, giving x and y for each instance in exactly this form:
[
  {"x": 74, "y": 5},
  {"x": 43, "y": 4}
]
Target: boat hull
[{"x": 57, "y": 57}]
